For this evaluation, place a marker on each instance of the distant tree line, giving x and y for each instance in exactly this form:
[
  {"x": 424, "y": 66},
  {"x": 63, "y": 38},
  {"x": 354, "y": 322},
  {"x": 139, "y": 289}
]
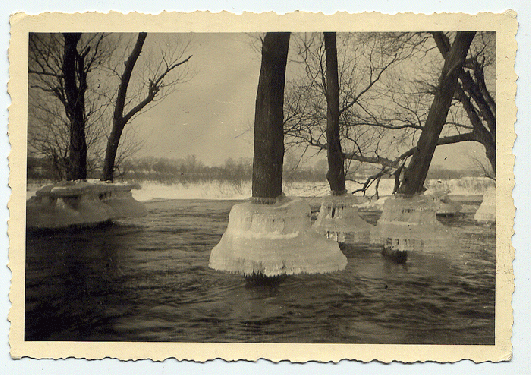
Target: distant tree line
[{"x": 190, "y": 169}]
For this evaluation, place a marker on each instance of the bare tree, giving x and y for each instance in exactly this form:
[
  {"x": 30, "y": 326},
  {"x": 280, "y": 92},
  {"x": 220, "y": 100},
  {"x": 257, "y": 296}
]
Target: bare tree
[
  {"x": 384, "y": 101},
  {"x": 483, "y": 165},
  {"x": 75, "y": 86},
  {"x": 269, "y": 118},
  {"x": 473, "y": 92},
  {"x": 417, "y": 170},
  {"x": 98, "y": 61},
  {"x": 59, "y": 66},
  {"x": 126, "y": 108},
  {"x": 366, "y": 118},
  {"x": 49, "y": 135}
]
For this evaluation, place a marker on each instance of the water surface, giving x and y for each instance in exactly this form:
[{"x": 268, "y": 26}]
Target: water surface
[{"x": 148, "y": 279}]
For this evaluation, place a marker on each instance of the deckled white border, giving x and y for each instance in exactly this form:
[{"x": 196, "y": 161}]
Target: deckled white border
[{"x": 504, "y": 24}]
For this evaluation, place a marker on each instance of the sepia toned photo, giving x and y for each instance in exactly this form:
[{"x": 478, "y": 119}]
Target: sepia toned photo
[{"x": 274, "y": 191}]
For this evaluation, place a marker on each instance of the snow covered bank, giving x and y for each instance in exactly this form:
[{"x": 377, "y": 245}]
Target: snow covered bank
[
  {"x": 242, "y": 190},
  {"x": 200, "y": 190},
  {"x": 222, "y": 190}
]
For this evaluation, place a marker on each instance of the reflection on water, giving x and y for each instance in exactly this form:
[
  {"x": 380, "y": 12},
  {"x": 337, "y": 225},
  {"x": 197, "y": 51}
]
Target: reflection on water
[{"x": 148, "y": 280}]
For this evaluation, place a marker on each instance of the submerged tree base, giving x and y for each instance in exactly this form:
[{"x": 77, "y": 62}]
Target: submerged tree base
[
  {"x": 397, "y": 256},
  {"x": 274, "y": 239},
  {"x": 258, "y": 280}
]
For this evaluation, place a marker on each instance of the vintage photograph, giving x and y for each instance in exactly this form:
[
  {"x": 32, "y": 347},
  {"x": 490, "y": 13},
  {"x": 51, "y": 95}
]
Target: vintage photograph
[{"x": 284, "y": 187}]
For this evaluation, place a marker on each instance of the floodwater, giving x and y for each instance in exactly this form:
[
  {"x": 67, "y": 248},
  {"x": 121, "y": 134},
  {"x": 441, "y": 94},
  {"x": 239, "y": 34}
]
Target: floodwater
[{"x": 148, "y": 279}]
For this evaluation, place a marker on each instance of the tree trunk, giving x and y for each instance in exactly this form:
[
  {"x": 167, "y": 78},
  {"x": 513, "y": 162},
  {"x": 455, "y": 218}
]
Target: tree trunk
[
  {"x": 119, "y": 120},
  {"x": 490, "y": 151},
  {"x": 481, "y": 133},
  {"x": 336, "y": 169},
  {"x": 476, "y": 90},
  {"x": 416, "y": 171},
  {"x": 269, "y": 118},
  {"x": 110, "y": 152},
  {"x": 75, "y": 87}
]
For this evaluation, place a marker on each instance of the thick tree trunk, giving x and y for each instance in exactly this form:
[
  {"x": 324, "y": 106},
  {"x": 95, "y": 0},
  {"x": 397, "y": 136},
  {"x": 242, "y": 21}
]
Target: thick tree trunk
[
  {"x": 75, "y": 87},
  {"x": 269, "y": 118},
  {"x": 336, "y": 169},
  {"x": 416, "y": 171}
]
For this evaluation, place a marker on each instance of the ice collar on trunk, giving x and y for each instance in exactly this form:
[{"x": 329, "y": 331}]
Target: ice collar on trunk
[
  {"x": 410, "y": 223},
  {"x": 339, "y": 219},
  {"x": 274, "y": 239}
]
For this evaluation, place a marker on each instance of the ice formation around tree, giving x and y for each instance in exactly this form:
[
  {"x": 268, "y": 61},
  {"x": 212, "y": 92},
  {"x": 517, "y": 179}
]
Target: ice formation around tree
[
  {"x": 444, "y": 205},
  {"x": 81, "y": 203},
  {"x": 487, "y": 210},
  {"x": 410, "y": 224},
  {"x": 274, "y": 239},
  {"x": 339, "y": 220}
]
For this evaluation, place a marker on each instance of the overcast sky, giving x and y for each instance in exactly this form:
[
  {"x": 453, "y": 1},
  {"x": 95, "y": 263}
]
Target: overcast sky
[{"x": 211, "y": 115}]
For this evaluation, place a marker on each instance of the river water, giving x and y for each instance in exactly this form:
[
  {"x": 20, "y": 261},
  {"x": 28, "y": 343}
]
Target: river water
[{"x": 148, "y": 279}]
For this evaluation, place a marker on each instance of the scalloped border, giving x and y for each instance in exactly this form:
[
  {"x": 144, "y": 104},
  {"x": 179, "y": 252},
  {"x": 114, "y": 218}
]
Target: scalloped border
[{"x": 505, "y": 24}]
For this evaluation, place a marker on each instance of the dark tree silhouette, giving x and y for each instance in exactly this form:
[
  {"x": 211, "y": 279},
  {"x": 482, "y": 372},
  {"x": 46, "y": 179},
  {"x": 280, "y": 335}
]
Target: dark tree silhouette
[
  {"x": 336, "y": 167},
  {"x": 382, "y": 111},
  {"x": 59, "y": 113},
  {"x": 120, "y": 116},
  {"x": 417, "y": 170},
  {"x": 75, "y": 86},
  {"x": 475, "y": 98},
  {"x": 373, "y": 125},
  {"x": 269, "y": 119}
]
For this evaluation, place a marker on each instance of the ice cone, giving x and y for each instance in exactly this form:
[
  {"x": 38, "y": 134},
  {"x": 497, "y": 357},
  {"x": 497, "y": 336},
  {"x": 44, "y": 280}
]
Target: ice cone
[
  {"x": 410, "y": 224},
  {"x": 274, "y": 239},
  {"x": 339, "y": 220}
]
